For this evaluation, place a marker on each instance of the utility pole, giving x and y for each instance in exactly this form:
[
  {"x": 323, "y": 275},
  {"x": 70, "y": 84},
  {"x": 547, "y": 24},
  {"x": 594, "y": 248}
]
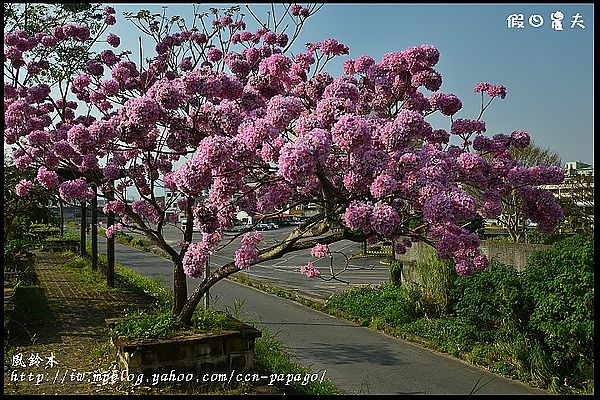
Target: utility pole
[
  {"x": 206, "y": 275},
  {"x": 82, "y": 228},
  {"x": 95, "y": 229},
  {"x": 110, "y": 252}
]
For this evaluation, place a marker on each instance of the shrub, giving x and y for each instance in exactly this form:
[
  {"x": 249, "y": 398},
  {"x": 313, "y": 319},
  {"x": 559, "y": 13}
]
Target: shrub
[
  {"x": 391, "y": 305},
  {"x": 396, "y": 273},
  {"x": 162, "y": 324},
  {"x": 560, "y": 286},
  {"x": 138, "y": 242},
  {"x": 536, "y": 237},
  {"x": 436, "y": 277},
  {"x": 491, "y": 302}
]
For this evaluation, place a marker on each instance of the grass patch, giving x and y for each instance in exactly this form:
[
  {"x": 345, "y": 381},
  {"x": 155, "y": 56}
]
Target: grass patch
[
  {"x": 161, "y": 324},
  {"x": 382, "y": 304},
  {"x": 80, "y": 268},
  {"x": 271, "y": 355},
  {"x": 69, "y": 235},
  {"x": 151, "y": 286}
]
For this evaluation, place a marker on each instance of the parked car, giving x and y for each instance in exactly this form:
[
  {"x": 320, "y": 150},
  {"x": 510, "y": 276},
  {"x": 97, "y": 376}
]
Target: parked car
[
  {"x": 262, "y": 227},
  {"x": 273, "y": 226}
]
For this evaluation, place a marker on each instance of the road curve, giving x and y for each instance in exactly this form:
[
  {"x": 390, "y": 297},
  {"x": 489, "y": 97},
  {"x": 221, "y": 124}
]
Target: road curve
[{"x": 356, "y": 359}]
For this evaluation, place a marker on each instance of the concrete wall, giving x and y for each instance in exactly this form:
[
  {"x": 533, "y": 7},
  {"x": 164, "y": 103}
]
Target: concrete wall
[{"x": 515, "y": 254}]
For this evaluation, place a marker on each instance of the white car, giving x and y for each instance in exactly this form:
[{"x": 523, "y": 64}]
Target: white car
[{"x": 184, "y": 224}]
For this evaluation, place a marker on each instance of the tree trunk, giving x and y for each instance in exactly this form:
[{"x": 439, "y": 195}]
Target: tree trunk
[
  {"x": 62, "y": 216},
  {"x": 179, "y": 288},
  {"x": 179, "y": 277},
  {"x": 185, "y": 315}
]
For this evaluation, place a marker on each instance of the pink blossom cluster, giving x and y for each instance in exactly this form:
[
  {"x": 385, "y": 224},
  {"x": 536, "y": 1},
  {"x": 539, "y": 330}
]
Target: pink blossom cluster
[
  {"x": 116, "y": 206},
  {"x": 491, "y": 206},
  {"x": 246, "y": 255},
  {"x": 358, "y": 216},
  {"x": 383, "y": 185},
  {"x": 46, "y": 178},
  {"x": 464, "y": 127},
  {"x": 146, "y": 210},
  {"x": 272, "y": 197},
  {"x": 351, "y": 133},
  {"x": 281, "y": 110},
  {"x": 539, "y": 206},
  {"x": 309, "y": 270},
  {"x": 195, "y": 258},
  {"x": 491, "y": 89},
  {"x": 299, "y": 11},
  {"x": 384, "y": 220},
  {"x": 299, "y": 160},
  {"x": 448, "y": 104},
  {"x": 319, "y": 250},
  {"x": 332, "y": 46},
  {"x": 23, "y": 187},
  {"x": 111, "y": 230},
  {"x": 75, "y": 190}
]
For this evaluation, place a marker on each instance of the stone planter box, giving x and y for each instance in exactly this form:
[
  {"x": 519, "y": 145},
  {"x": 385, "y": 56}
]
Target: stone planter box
[
  {"x": 43, "y": 233},
  {"x": 62, "y": 245},
  {"x": 196, "y": 353}
]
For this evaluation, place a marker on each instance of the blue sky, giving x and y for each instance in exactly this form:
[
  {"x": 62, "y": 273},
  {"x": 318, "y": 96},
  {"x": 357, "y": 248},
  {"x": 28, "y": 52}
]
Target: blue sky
[{"x": 548, "y": 73}]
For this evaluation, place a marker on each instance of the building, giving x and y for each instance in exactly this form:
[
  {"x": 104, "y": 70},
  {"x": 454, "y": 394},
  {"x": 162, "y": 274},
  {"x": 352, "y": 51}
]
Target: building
[
  {"x": 577, "y": 186},
  {"x": 577, "y": 168}
]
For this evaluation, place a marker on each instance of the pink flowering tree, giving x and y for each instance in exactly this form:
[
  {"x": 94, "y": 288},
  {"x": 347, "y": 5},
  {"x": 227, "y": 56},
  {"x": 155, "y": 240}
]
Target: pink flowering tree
[{"x": 252, "y": 128}]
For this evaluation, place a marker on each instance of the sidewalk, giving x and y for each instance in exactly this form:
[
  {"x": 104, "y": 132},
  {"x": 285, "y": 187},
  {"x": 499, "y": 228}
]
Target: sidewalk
[
  {"x": 63, "y": 320},
  {"x": 59, "y": 337}
]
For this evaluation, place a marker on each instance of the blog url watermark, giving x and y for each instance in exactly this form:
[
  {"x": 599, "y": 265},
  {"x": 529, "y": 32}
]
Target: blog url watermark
[{"x": 70, "y": 376}]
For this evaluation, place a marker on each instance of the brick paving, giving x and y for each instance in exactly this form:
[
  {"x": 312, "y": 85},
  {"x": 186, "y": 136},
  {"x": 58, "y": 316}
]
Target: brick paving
[{"x": 75, "y": 333}]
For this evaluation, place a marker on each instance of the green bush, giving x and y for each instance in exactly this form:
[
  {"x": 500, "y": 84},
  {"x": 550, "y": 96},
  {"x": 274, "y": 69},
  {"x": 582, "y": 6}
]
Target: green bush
[
  {"x": 65, "y": 236},
  {"x": 138, "y": 242},
  {"x": 560, "y": 285},
  {"x": 391, "y": 305},
  {"x": 436, "y": 280},
  {"x": 17, "y": 249},
  {"x": 491, "y": 302},
  {"x": 396, "y": 273},
  {"x": 536, "y": 237}
]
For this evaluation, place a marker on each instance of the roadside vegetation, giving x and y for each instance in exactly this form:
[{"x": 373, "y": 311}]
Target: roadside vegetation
[{"x": 537, "y": 326}]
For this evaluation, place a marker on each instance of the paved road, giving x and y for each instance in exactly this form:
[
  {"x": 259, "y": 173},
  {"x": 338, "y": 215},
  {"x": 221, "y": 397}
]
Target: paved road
[
  {"x": 285, "y": 272},
  {"x": 356, "y": 359}
]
